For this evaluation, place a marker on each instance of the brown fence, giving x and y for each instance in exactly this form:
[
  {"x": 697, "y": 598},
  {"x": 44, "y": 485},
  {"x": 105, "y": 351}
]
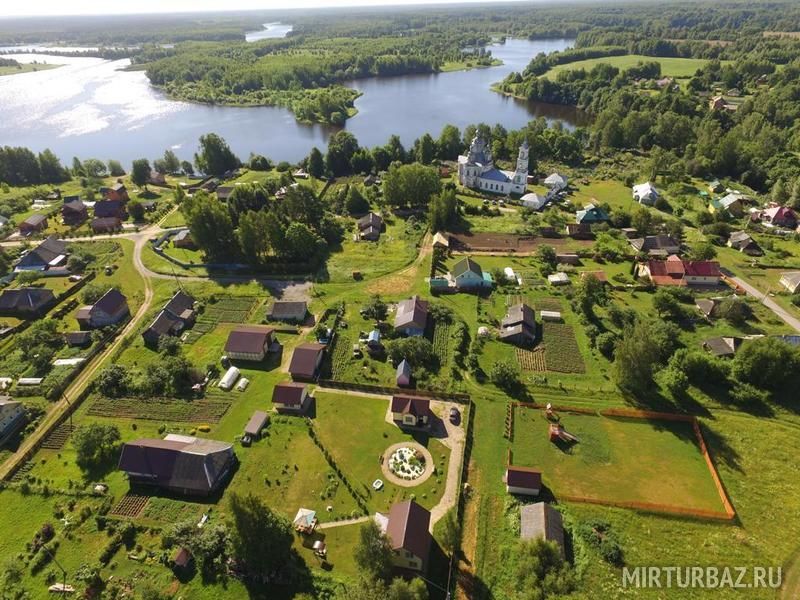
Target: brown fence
[
  {"x": 630, "y": 413},
  {"x": 390, "y": 391}
]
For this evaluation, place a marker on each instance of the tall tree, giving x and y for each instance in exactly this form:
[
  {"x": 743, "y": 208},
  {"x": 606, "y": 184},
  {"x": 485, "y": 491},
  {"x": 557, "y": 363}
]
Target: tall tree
[
  {"x": 425, "y": 149},
  {"x": 410, "y": 185},
  {"x": 171, "y": 161},
  {"x": 51, "y": 169},
  {"x": 449, "y": 144},
  {"x": 262, "y": 539},
  {"x": 140, "y": 172},
  {"x": 315, "y": 163},
  {"x": 215, "y": 156},
  {"x": 373, "y": 554},
  {"x": 341, "y": 148},
  {"x": 253, "y": 235},
  {"x": 210, "y": 223}
]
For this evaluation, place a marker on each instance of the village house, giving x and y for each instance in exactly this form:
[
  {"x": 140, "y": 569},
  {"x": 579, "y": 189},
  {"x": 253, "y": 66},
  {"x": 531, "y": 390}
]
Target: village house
[
  {"x": 730, "y": 203},
  {"x": 441, "y": 240},
  {"x": 556, "y": 182},
  {"x": 306, "y": 360},
  {"x": 645, "y": 193},
  {"x": 183, "y": 239},
  {"x": 411, "y": 317},
  {"x": 116, "y": 193},
  {"x": 177, "y": 315},
  {"x": 780, "y": 216},
  {"x": 741, "y": 241},
  {"x": 26, "y": 303},
  {"x": 290, "y": 397},
  {"x": 12, "y": 417},
  {"x": 706, "y": 306},
  {"x": 591, "y": 214},
  {"x": 540, "y": 520},
  {"x": 407, "y": 526},
  {"x": 111, "y": 308},
  {"x": 370, "y": 227},
  {"x": 73, "y": 211},
  {"x": 78, "y": 339},
  {"x": 224, "y": 192},
  {"x": 791, "y": 281},
  {"x": 178, "y": 464},
  {"x": 557, "y": 279},
  {"x": 106, "y": 224},
  {"x": 157, "y": 179},
  {"x": 468, "y": 275},
  {"x": 51, "y": 253},
  {"x": 409, "y": 411},
  {"x": 110, "y": 209},
  {"x": 476, "y": 170},
  {"x": 288, "y": 311},
  {"x": 518, "y": 326},
  {"x": 724, "y": 347},
  {"x": 249, "y": 342},
  {"x": 33, "y": 224},
  {"x": 675, "y": 271},
  {"x": 524, "y": 481},
  {"x": 534, "y": 201},
  {"x": 656, "y": 245}
]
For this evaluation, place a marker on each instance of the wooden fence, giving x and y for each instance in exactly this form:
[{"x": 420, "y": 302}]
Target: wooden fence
[
  {"x": 629, "y": 413},
  {"x": 391, "y": 391}
]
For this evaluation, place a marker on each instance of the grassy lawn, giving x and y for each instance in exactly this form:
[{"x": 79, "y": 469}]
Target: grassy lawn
[
  {"x": 667, "y": 467},
  {"x": 396, "y": 248},
  {"x": 175, "y": 219},
  {"x": 670, "y": 67},
  {"x": 358, "y": 455}
]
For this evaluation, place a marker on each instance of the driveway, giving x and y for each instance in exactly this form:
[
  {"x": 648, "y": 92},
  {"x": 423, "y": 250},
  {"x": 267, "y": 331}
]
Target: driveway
[{"x": 776, "y": 308}]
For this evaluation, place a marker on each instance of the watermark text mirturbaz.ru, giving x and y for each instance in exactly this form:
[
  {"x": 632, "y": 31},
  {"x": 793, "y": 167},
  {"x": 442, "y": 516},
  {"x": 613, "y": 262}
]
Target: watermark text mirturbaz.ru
[{"x": 702, "y": 577}]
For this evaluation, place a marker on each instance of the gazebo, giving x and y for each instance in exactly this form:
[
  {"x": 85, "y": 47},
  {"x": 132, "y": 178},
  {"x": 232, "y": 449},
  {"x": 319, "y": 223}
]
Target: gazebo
[{"x": 305, "y": 521}]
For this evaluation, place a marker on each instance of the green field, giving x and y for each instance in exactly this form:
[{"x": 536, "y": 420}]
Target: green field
[
  {"x": 665, "y": 468},
  {"x": 670, "y": 67}
]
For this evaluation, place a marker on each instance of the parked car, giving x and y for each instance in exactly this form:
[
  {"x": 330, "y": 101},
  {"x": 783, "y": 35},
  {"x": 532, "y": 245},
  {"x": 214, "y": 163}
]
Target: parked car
[{"x": 455, "y": 416}]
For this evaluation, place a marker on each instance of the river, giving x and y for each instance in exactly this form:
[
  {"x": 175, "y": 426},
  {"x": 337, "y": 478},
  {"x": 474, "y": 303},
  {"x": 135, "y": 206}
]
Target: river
[{"x": 90, "y": 108}]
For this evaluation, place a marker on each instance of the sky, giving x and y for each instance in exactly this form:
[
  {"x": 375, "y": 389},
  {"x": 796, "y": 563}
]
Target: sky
[{"x": 93, "y": 7}]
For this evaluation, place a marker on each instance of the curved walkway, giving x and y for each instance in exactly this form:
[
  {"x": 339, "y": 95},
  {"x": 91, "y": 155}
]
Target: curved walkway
[{"x": 429, "y": 464}]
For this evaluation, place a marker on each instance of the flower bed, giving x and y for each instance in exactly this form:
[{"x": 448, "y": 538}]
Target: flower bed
[{"x": 407, "y": 463}]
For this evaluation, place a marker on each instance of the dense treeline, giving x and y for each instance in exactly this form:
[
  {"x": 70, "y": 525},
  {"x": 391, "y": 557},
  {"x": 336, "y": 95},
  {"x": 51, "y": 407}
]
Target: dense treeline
[{"x": 20, "y": 166}]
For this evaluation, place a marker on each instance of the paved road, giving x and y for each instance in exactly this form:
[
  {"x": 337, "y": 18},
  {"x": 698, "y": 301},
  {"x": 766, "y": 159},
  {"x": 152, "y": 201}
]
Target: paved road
[
  {"x": 776, "y": 308},
  {"x": 80, "y": 383}
]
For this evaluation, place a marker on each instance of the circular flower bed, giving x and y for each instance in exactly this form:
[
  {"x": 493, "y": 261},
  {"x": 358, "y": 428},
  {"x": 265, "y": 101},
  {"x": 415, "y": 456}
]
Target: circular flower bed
[{"x": 407, "y": 463}]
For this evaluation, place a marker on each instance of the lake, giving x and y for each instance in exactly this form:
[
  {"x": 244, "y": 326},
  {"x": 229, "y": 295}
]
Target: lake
[
  {"x": 90, "y": 108},
  {"x": 270, "y": 31}
]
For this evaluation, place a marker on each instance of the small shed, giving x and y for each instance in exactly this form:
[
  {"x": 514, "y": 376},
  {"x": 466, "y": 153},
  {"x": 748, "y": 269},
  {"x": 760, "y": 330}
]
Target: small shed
[
  {"x": 305, "y": 521},
  {"x": 256, "y": 423},
  {"x": 558, "y": 279},
  {"x": 182, "y": 558},
  {"x": 403, "y": 375},
  {"x": 540, "y": 520},
  {"x": 550, "y": 315}
]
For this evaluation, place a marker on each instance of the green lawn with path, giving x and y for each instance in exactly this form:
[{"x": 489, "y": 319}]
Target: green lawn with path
[{"x": 670, "y": 67}]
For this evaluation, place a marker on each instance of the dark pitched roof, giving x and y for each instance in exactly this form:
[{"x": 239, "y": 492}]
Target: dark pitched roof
[
  {"x": 49, "y": 249},
  {"x": 224, "y": 192},
  {"x": 256, "y": 422},
  {"x": 185, "y": 463},
  {"x": 162, "y": 324},
  {"x": 25, "y": 299},
  {"x": 109, "y": 208},
  {"x": 541, "y": 520},
  {"x": 412, "y": 312},
  {"x": 409, "y": 405},
  {"x": 519, "y": 314},
  {"x": 110, "y": 302},
  {"x": 179, "y": 304},
  {"x": 370, "y": 220},
  {"x": 78, "y": 338},
  {"x": 35, "y": 219},
  {"x": 654, "y": 242},
  {"x": 407, "y": 529},
  {"x": 722, "y": 346},
  {"x": 284, "y": 309},
  {"x": 106, "y": 223},
  {"x": 288, "y": 394},
  {"x": 523, "y": 477},
  {"x": 304, "y": 359},
  {"x": 74, "y": 205},
  {"x": 466, "y": 264},
  {"x": 248, "y": 339}
]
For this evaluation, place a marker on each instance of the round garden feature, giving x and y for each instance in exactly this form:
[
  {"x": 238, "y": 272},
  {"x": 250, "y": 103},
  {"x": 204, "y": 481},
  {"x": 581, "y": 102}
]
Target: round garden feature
[{"x": 407, "y": 464}]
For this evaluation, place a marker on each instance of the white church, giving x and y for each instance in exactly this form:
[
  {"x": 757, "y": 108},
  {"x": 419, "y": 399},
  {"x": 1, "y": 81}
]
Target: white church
[{"x": 476, "y": 170}]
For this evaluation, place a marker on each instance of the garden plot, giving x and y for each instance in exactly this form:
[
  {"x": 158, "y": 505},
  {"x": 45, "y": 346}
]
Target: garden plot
[
  {"x": 562, "y": 353},
  {"x": 201, "y": 410},
  {"x": 623, "y": 460},
  {"x": 229, "y": 309},
  {"x": 532, "y": 360}
]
